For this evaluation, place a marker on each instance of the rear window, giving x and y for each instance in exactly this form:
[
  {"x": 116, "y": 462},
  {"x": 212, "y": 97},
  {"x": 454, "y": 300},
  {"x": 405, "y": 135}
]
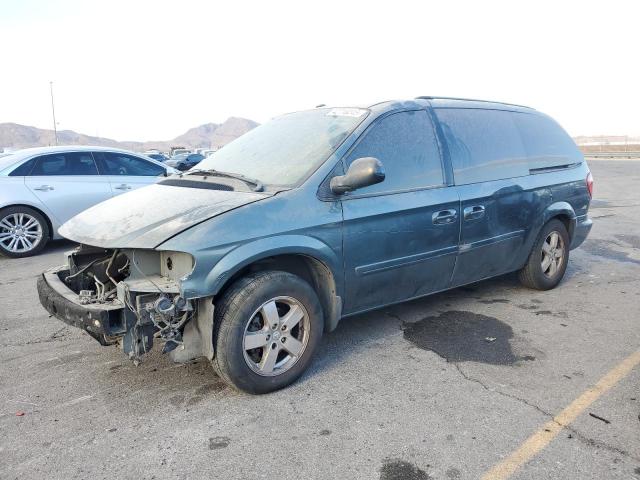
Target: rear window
[
  {"x": 545, "y": 142},
  {"x": 484, "y": 145},
  {"x": 112, "y": 163}
]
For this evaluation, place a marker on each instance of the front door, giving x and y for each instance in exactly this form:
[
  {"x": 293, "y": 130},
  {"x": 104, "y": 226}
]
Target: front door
[
  {"x": 67, "y": 183},
  {"x": 401, "y": 235}
]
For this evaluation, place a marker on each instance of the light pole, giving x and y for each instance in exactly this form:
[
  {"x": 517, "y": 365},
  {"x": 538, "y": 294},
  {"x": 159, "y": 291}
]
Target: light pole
[{"x": 53, "y": 112}]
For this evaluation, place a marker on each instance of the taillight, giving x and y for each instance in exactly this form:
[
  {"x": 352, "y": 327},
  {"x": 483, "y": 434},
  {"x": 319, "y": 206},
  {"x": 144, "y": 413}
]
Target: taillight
[{"x": 590, "y": 184}]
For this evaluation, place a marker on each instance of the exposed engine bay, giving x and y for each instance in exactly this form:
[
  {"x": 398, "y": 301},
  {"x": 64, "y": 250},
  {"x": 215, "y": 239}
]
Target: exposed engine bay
[{"x": 140, "y": 291}]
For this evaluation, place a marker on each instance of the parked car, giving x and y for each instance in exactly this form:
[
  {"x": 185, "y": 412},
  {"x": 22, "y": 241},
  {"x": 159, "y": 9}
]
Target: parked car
[
  {"x": 41, "y": 188},
  {"x": 177, "y": 151},
  {"x": 319, "y": 215},
  {"x": 184, "y": 161},
  {"x": 160, "y": 157}
]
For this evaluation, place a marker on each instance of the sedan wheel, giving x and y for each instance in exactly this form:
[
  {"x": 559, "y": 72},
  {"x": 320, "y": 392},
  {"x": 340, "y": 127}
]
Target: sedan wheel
[{"x": 21, "y": 232}]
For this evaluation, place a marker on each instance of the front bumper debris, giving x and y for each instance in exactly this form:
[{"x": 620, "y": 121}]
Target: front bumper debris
[{"x": 104, "y": 322}]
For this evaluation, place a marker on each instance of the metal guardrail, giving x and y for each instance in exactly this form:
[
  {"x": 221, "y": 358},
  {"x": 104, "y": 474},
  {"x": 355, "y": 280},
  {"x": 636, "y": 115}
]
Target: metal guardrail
[{"x": 612, "y": 155}]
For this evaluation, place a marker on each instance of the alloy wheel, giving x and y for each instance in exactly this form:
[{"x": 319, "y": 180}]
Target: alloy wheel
[
  {"x": 553, "y": 253},
  {"x": 276, "y": 336},
  {"x": 20, "y": 232}
]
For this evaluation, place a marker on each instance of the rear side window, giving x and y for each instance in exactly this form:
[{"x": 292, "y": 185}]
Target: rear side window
[
  {"x": 484, "y": 145},
  {"x": 24, "y": 169},
  {"x": 112, "y": 163},
  {"x": 406, "y": 145},
  {"x": 69, "y": 163},
  {"x": 545, "y": 142}
]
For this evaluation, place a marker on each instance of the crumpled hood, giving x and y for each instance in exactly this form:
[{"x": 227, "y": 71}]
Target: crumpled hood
[{"x": 146, "y": 217}]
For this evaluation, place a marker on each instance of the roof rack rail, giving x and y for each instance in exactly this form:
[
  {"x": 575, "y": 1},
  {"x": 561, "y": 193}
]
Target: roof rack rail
[{"x": 428, "y": 97}]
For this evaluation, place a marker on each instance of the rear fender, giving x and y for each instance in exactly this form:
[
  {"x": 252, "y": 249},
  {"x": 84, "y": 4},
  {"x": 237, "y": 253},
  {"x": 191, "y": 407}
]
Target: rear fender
[{"x": 556, "y": 209}]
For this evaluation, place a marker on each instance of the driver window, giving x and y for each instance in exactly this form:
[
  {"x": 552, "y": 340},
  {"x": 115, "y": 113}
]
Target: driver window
[{"x": 406, "y": 145}]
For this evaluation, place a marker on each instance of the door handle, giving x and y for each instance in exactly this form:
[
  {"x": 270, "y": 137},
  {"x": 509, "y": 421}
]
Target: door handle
[
  {"x": 473, "y": 213},
  {"x": 124, "y": 186},
  {"x": 444, "y": 217},
  {"x": 44, "y": 188}
]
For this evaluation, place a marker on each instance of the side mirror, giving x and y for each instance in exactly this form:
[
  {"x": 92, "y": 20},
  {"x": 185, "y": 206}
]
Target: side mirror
[{"x": 362, "y": 172}]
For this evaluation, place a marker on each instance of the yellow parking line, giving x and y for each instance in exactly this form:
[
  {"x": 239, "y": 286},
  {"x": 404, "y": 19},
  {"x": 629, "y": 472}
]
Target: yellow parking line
[{"x": 551, "y": 429}]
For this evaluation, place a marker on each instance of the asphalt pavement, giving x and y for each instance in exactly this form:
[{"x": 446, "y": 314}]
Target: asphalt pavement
[{"x": 447, "y": 387}]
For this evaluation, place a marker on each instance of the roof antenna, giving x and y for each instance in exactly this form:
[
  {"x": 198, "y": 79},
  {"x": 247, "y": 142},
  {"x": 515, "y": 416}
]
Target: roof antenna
[{"x": 321, "y": 105}]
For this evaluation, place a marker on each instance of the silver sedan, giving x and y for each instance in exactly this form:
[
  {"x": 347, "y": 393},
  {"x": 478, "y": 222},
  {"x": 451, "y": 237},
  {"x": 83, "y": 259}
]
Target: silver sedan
[{"x": 41, "y": 188}]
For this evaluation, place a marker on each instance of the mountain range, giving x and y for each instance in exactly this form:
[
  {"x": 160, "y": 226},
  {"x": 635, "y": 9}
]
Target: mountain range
[
  {"x": 214, "y": 135},
  {"x": 210, "y": 135}
]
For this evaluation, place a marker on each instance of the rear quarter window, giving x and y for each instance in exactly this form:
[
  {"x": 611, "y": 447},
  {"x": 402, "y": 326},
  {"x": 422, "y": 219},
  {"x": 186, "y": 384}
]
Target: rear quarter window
[
  {"x": 484, "y": 145},
  {"x": 545, "y": 142}
]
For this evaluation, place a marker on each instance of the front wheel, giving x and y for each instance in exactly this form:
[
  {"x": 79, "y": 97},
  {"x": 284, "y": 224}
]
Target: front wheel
[
  {"x": 267, "y": 327},
  {"x": 23, "y": 232},
  {"x": 548, "y": 259}
]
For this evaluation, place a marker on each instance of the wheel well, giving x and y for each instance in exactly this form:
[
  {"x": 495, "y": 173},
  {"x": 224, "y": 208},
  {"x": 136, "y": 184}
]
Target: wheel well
[
  {"x": 566, "y": 220},
  {"x": 313, "y": 271},
  {"x": 44, "y": 215}
]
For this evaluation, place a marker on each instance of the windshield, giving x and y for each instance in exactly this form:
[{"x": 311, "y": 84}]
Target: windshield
[
  {"x": 7, "y": 159},
  {"x": 287, "y": 149}
]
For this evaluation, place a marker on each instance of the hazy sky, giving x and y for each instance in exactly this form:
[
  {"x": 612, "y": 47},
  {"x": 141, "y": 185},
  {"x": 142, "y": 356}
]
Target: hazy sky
[{"x": 138, "y": 70}]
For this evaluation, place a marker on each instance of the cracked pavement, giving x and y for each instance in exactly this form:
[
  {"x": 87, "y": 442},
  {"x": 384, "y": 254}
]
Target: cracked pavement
[{"x": 443, "y": 387}]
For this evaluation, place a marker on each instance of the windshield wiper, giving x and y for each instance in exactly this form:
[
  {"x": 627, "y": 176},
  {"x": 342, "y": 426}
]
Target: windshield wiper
[{"x": 256, "y": 185}]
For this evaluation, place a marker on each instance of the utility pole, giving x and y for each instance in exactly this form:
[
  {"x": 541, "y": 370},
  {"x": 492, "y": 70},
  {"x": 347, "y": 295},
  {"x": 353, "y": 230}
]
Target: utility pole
[{"x": 53, "y": 112}]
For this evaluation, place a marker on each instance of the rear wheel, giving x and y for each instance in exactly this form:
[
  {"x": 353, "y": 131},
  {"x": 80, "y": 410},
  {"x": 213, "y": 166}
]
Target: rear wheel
[
  {"x": 548, "y": 259},
  {"x": 23, "y": 232},
  {"x": 267, "y": 327}
]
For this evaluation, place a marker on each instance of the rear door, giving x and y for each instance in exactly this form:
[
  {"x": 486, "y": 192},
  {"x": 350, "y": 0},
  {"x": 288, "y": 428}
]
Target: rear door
[
  {"x": 67, "y": 183},
  {"x": 400, "y": 236},
  {"x": 499, "y": 203},
  {"x": 127, "y": 172}
]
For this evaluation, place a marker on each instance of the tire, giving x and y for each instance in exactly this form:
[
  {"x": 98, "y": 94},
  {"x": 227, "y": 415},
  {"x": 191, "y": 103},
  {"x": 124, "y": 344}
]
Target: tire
[
  {"x": 241, "y": 321},
  {"x": 544, "y": 269},
  {"x": 29, "y": 241}
]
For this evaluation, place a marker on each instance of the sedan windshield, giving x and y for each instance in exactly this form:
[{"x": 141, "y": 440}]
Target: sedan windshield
[
  {"x": 287, "y": 149},
  {"x": 7, "y": 159}
]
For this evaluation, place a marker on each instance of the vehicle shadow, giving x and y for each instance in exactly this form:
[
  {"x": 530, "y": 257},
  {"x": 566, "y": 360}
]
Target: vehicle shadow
[
  {"x": 53, "y": 247},
  {"x": 355, "y": 334},
  {"x": 58, "y": 246}
]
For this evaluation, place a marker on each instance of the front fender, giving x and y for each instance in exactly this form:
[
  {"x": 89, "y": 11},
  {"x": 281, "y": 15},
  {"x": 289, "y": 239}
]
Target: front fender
[{"x": 262, "y": 248}]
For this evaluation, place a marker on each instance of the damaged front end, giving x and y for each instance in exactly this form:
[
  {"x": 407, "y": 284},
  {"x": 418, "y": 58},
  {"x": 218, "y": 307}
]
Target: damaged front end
[{"x": 130, "y": 297}]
